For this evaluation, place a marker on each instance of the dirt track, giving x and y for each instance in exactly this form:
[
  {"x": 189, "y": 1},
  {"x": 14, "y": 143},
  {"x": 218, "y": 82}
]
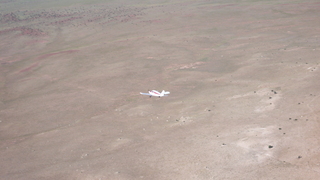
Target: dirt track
[{"x": 243, "y": 77}]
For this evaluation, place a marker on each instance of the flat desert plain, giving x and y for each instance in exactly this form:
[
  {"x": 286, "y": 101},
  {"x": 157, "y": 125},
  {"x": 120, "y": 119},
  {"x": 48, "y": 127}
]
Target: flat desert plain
[{"x": 243, "y": 75}]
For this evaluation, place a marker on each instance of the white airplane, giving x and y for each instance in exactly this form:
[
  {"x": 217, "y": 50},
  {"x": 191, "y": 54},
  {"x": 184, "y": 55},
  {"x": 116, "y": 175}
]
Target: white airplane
[{"x": 156, "y": 93}]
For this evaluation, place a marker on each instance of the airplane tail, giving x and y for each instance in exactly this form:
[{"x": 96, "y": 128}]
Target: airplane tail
[{"x": 165, "y": 92}]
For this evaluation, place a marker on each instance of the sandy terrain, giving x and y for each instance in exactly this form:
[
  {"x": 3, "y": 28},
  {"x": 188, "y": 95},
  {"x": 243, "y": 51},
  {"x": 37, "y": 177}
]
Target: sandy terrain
[{"x": 243, "y": 76}]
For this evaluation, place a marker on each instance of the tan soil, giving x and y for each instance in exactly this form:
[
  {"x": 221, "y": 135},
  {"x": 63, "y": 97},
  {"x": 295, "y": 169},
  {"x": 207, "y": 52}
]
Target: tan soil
[{"x": 243, "y": 76}]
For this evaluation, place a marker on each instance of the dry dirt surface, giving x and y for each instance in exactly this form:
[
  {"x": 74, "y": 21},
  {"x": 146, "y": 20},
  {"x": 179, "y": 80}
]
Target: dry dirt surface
[{"x": 243, "y": 76}]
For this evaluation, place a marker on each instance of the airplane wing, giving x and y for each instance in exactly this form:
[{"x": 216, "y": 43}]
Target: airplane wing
[{"x": 145, "y": 94}]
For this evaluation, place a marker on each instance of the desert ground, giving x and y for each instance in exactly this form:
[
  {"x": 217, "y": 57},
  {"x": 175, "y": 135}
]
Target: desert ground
[{"x": 243, "y": 75}]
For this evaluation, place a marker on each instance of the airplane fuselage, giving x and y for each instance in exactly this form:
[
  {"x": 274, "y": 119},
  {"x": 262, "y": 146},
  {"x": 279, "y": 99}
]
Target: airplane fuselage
[{"x": 155, "y": 93}]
